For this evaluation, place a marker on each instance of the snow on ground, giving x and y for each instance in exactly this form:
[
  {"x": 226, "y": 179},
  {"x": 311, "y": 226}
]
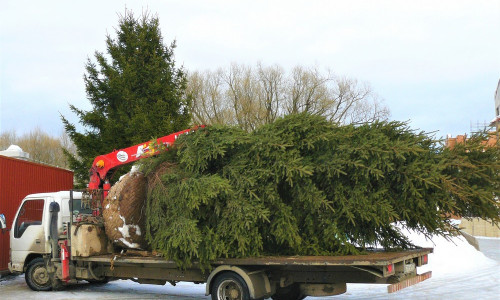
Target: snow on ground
[
  {"x": 119, "y": 289},
  {"x": 459, "y": 271},
  {"x": 450, "y": 256}
]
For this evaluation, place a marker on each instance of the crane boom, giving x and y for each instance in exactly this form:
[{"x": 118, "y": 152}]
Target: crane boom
[{"x": 104, "y": 164}]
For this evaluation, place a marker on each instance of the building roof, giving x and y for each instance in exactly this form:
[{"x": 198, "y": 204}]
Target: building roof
[{"x": 452, "y": 141}]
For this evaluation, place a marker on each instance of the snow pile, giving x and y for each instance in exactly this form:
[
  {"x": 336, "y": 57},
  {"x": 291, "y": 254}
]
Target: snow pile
[
  {"x": 453, "y": 256},
  {"x": 459, "y": 271},
  {"x": 135, "y": 169},
  {"x": 15, "y": 151},
  {"x": 14, "y": 148}
]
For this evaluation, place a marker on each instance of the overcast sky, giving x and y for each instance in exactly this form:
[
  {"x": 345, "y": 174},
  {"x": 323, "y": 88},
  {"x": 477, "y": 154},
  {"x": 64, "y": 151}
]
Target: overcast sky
[{"x": 435, "y": 63}]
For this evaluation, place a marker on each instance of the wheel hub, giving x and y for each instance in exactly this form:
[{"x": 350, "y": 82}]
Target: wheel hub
[
  {"x": 40, "y": 276},
  {"x": 229, "y": 290},
  {"x": 234, "y": 293}
]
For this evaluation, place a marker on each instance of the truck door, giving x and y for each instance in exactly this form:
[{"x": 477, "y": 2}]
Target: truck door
[{"x": 27, "y": 234}]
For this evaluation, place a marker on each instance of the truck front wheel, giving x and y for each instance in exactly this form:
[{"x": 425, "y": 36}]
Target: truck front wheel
[
  {"x": 37, "y": 277},
  {"x": 229, "y": 286}
]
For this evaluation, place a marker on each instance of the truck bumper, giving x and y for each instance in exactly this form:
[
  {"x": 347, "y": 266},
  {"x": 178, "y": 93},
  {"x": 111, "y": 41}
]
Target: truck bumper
[{"x": 15, "y": 268}]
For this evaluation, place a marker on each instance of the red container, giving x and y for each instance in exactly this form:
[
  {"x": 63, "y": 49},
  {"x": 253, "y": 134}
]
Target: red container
[{"x": 19, "y": 178}]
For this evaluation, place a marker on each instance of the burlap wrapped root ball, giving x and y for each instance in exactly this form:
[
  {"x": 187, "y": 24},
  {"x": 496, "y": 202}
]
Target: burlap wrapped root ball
[{"x": 123, "y": 211}]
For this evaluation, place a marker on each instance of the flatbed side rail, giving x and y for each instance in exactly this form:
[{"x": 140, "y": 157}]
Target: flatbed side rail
[{"x": 372, "y": 259}]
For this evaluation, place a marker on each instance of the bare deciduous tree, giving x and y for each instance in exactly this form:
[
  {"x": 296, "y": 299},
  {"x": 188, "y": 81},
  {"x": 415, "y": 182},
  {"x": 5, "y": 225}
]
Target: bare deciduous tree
[
  {"x": 307, "y": 91},
  {"x": 272, "y": 95},
  {"x": 41, "y": 146},
  {"x": 7, "y": 138},
  {"x": 251, "y": 96}
]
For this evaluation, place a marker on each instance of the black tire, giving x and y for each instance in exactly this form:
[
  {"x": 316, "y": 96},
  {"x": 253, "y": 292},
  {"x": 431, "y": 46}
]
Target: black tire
[
  {"x": 37, "y": 277},
  {"x": 229, "y": 286},
  {"x": 291, "y": 292}
]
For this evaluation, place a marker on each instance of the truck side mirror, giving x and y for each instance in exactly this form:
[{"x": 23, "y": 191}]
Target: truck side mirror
[{"x": 3, "y": 223}]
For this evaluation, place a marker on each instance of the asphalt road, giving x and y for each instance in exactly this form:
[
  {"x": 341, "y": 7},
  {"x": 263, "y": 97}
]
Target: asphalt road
[{"x": 490, "y": 247}]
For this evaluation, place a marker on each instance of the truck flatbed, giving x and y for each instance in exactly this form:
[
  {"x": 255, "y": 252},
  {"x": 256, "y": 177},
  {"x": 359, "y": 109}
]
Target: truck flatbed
[
  {"x": 372, "y": 258},
  {"x": 396, "y": 268}
]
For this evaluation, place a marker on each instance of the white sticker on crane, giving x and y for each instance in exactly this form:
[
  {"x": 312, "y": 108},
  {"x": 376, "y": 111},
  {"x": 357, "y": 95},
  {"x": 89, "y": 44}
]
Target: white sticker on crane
[
  {"x": 140, "y": 151},
  {"x": 122, "y": 156}
]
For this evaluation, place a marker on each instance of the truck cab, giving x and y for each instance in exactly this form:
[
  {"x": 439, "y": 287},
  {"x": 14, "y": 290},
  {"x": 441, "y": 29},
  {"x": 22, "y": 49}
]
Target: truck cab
[{"x": 30, "y": 228}]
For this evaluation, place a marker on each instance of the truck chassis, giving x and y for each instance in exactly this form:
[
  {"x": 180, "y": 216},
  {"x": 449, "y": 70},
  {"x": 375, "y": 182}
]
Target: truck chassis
[{"x": 284, "y": 277}]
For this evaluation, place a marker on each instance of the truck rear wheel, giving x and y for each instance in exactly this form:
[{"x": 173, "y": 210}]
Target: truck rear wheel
[
  {"x": 291, "y": 292},
  {"x": 229, "y": 286},
  {"x": 37, "y": 277}
]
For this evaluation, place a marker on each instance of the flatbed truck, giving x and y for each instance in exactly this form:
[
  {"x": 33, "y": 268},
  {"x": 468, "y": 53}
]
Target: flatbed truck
[{"x": 45, "y": 243}]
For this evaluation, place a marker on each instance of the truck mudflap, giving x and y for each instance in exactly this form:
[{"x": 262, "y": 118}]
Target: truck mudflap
[{"x": 408, "y": 282}]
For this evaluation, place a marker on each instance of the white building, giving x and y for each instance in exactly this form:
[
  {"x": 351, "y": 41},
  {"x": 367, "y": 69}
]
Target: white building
[{"x": 496, "y": 121}]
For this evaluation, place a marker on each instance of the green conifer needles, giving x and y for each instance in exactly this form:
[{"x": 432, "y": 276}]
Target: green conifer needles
[{"x": 304, "y": 186}]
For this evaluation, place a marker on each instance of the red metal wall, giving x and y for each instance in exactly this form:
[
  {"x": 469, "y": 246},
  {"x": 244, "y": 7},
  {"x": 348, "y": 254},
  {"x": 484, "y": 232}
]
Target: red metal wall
[{"x": 19, "y": 178}]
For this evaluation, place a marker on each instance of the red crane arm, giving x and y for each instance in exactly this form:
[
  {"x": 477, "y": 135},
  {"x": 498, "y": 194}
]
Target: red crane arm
[{"x": 103, "y": 164}]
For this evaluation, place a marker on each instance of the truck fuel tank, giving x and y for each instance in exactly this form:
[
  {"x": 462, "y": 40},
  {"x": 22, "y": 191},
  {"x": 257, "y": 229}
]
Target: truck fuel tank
[{"x": 88, "y": 240}]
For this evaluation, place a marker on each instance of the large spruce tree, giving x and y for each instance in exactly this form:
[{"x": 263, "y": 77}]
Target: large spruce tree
[
  {"x": 304, "y": 186},
  {"x": 136, "y": 92}
]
